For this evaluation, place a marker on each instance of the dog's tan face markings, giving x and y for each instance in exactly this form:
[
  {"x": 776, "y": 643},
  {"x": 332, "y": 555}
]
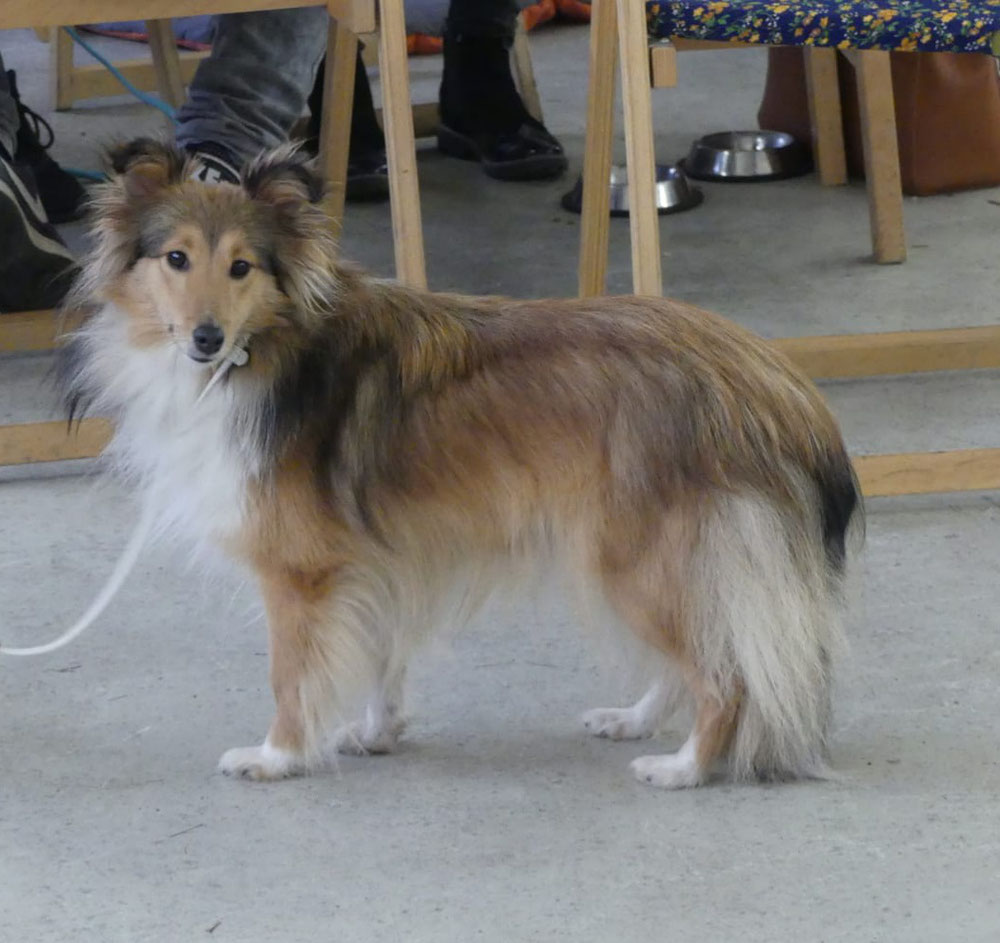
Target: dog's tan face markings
[
  {"x": 200, "y": 290},
  {"x": 175, "y": 255}
]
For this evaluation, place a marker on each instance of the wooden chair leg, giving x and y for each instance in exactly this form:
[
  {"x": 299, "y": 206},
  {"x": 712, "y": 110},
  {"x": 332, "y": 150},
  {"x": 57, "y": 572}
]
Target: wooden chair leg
[
  {"x": 647, "y": 275},
  {"x": 596, "y": 206},
  {"x": 878, "y": 130},
  {"x": 335, "y": 122},
  {"x": 825, "y": 117},
  {"x": 524, "y": 72},
  {"x": 61, "y": 70},
  {"x": 166, "y": 61},
  {"x": 400, "y": 146}
]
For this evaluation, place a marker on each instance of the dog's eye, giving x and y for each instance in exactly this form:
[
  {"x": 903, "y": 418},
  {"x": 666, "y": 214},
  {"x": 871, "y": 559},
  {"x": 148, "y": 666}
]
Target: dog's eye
[
  {"x": 177, "y": 260},
  {"x": 239, "y": 269}
]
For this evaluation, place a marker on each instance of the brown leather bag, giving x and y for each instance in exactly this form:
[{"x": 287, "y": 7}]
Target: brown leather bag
[{"x": 947, "y": 115}]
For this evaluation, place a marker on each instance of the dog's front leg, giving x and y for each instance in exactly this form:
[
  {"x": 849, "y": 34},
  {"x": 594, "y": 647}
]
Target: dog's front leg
[
  {"x": 378, "y": 731},
  {"x": 304, "y": 666}
]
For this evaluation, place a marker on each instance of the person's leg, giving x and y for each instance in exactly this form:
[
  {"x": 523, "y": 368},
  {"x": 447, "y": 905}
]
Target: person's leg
[
  {"x": 35, "y": 267},
  {"x": 8, "y": 115},
  {"x": 483, "y": 18},
  {"x": 482, "y": 115},
  {"x": 367, "y": 172},
  {"x": 247, "y": 95}
]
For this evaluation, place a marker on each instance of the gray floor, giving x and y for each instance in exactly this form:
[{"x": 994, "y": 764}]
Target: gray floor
[{"x": 500, "y": 820}]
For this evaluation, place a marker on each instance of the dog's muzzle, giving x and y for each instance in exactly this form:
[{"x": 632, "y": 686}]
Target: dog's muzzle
[{"x": 206, "y": 341}]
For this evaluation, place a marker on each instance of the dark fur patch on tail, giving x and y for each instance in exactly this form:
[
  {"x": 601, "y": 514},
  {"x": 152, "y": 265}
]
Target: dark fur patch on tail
[{"x": 840, "y": 499}]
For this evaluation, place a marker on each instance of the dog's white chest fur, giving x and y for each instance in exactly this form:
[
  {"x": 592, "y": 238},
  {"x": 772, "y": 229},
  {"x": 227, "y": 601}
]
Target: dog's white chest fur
[{"x": 181, "y": 451}]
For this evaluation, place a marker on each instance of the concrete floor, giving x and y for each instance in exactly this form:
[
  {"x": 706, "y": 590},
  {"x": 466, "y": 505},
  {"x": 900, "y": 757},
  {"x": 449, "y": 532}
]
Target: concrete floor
[{"x": 499, "y": 820}]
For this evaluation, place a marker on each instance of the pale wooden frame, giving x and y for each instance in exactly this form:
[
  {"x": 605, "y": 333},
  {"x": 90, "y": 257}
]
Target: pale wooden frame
[
  {"x": 619, "y": 22},
  {"x": 857, "y": 355},
  {"x": 70, "y": 83},
  {"x": 38, "y": 442}
]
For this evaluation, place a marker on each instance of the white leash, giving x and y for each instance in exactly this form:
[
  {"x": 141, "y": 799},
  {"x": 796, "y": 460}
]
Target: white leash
[{"x": 236, "y": 357}]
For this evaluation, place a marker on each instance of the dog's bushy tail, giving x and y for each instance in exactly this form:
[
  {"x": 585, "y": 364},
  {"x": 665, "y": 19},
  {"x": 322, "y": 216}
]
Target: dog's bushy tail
[{"x": 767, "y": 596}]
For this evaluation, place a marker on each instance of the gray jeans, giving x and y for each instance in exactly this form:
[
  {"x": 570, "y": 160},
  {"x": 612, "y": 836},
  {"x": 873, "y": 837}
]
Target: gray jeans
[
  {"x": 250, "y": 91},
  {"x": 8, "y": 114},
  {"x": 247, "y": 95}
]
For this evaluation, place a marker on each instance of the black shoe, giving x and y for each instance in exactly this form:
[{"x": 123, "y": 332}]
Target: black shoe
[
  {"x": 212, "y": 164},
  {"x": 484, "y": 119},
  {"x": 367, "y": 171},
  {"x": 528, "y": 153},
  {"x": 62, "y": 195},
  {"x": 36, "y": 268},
  {"x": 367, "y": 178}
]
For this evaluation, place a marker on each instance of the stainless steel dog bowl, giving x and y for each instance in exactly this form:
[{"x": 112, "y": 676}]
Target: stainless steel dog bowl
[
  {"x": 747, "y": 155},
  {"x": 674, "y": 192}
]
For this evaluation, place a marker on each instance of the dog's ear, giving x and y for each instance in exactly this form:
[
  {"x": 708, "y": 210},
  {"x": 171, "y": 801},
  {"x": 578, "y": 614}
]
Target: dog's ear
[
  {"x": 145, "y": 166},
  {"x": 138, "y": 171},
  {"x": 304, "y": 252},
  {"x": 283, "y": 177}
]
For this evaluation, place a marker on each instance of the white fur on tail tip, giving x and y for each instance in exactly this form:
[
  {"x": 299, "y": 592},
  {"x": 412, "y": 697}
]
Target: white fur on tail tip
[
  {"x": 678, "y": 770},
  {"x": 261, "y": 763}
]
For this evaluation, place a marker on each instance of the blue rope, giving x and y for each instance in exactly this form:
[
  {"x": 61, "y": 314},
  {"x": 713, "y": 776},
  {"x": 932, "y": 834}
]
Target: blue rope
[
  {"x": 86, "y": 174},
  {"x": 145, "y": 97},
  {"x": 151, "y": 100}
]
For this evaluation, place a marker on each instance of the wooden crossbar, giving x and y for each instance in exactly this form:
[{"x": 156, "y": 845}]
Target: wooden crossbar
[
  {"x": 31, "y": 442},
  {"x": 823, "y": 357},
  {"x": 928, "y": 472},
  {"x": 880, "y": 475}
]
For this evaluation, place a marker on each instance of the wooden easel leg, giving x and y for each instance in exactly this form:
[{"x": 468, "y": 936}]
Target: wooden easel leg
[
  {"x": 647, "y": 275},
  {"x": 335, "y": 121},
  {"x": 400, "y": 146},
  {"x": 524, "y": 72},
  {"x": 61, "y": 70},
  {"x": 594, "y": 219},
  {"x": 166, "y": 61},
  {"x": 825, "y": 116},
  {"x": 878, "y": 128}
]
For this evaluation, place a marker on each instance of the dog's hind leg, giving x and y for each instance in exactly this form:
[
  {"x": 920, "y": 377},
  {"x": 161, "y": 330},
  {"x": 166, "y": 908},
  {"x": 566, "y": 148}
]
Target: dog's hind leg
[
  {"x": 631, "y": 723},
  {"x": 715, "y": 723}
]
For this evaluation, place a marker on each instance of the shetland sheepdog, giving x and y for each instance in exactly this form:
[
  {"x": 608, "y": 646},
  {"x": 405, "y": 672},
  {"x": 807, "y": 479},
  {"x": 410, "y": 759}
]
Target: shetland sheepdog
[{"x": 381, "y": 443}]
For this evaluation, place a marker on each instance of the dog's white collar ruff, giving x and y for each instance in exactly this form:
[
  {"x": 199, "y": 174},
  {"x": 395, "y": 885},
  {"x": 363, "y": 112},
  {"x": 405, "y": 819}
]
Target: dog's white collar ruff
[{"x": 237, "y": 357}]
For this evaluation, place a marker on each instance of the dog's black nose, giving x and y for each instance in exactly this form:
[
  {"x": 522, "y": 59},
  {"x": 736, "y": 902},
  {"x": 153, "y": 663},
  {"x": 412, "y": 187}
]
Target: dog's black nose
[{"x": 208, "y": 338}]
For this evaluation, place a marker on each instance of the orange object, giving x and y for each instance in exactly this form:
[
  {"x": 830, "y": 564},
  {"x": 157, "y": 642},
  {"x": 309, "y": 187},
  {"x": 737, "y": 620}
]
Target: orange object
[
  {"x": 537, "y": 13},
  {"x": 417, "y": 44}
]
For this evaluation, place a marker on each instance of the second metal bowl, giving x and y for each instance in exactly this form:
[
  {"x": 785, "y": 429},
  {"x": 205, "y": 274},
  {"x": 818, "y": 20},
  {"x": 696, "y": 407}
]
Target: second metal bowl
[
  {"x": 747, "y": 155},
  {"x": 674, "y": 192}
]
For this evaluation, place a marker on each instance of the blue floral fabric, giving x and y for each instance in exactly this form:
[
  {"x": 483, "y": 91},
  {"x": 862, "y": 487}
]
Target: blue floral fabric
[{"x": 908, "y": 25}]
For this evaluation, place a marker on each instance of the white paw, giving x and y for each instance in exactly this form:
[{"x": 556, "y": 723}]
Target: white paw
[
  {"x": 260, "y": 763},
  {"x": 617, "y": 723},
  {"x": 669, "y": 771},
  {"x": 361, "y": 739}
]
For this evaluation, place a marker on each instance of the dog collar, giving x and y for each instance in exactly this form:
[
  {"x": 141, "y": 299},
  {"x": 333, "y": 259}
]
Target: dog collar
[{"x": 238, "y": 356}]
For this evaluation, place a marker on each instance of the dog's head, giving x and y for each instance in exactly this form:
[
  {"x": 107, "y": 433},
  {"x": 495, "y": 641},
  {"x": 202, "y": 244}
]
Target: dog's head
[{"x": 204, "y": 266}]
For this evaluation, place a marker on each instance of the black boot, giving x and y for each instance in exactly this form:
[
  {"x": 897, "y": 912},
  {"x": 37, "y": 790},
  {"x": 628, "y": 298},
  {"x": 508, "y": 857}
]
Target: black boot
[
  {"x": 367, "y": 173},
  {"x": 483, "y": 117},
  {"x": 60, "y": 192},
  {"x": 36, "y": 268}
]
